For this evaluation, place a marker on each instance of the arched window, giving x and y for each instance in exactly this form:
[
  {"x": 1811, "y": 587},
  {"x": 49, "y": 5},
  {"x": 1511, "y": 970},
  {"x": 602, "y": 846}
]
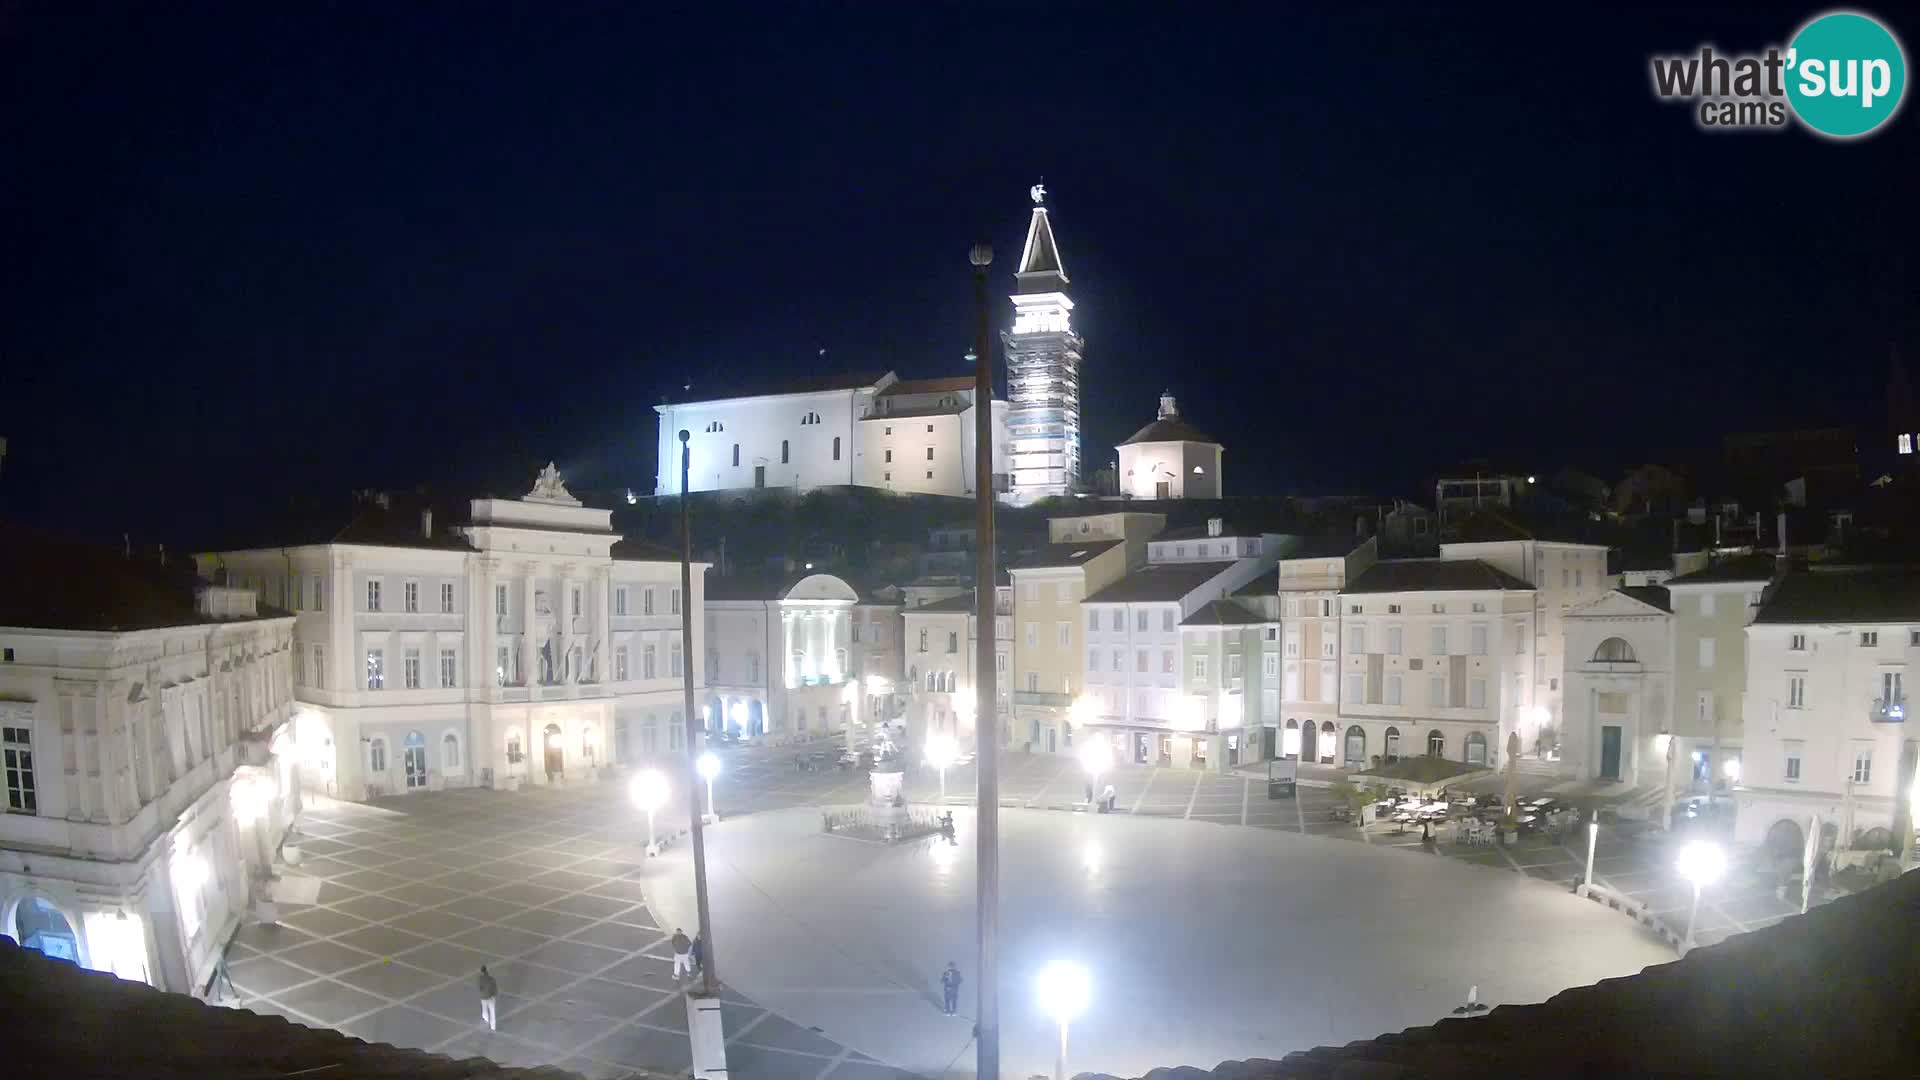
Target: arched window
[
  {"x": 1356, "y": 746},
  {"x": 1476, "y": 749},
  {"x": 377, "y": 755},
  {"x": 1393, "y": 744},
  {"x": 783, "y": 452},
  {"x": 1614, "y": 651},
  {"x": 736, "y": 455},
  {"x": 1328, "y": 735},
  {"x": 450, "y": 751},
  {"x": 836, "y": 448},
  {"x": 1436, "y": 744}
]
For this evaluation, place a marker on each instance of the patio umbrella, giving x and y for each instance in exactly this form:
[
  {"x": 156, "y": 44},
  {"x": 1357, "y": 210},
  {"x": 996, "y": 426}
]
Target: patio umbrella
[{"x": 1808, "y": 858}]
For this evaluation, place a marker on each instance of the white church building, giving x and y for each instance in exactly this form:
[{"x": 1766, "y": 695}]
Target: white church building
[{"x": 874, "y": 430}]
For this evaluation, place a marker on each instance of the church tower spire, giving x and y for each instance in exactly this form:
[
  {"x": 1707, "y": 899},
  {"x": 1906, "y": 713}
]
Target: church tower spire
[{"x": 1043, "y": 368}]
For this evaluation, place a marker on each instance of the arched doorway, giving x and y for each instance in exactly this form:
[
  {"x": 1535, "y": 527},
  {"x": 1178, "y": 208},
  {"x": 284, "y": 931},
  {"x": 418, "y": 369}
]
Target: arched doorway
[
  {"x": 556, "y": 757},
  {"x": 1436, "y": 744},
  {"x": 1307, "y": 741},
  {"x": 414, "y": 757},
  {"x": 1476, "y": 749},
  {"x": 1786, "y": 842},
  {"x": 756, "y": 718},
  {"x": 39, "y": 925},
  {"x": 1356, "y": 747},
  {"x": 1393, "y": 744},
  {"x": 1329, "y": 742}
]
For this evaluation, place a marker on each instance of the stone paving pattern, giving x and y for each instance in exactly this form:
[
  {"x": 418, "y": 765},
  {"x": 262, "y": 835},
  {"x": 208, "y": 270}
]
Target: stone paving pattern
[{"x": 543, "y": 887}]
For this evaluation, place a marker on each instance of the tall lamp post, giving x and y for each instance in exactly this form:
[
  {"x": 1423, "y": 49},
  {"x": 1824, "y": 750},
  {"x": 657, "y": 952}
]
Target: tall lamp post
[
  {"x": 709, "y": 766},
  {"x": 1063, "y": 991},
  {"x": 696, "y": 736},
  {"x": 1701, "y": 863},
  {"x": 942, "y": 752},
  {"x": 987, "y": 821},
  {"x": 1096, "y": 756}
]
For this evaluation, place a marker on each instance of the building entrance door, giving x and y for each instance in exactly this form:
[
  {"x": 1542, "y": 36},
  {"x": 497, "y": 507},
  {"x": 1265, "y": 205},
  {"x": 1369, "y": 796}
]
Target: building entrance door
[
  {"x": 1307, "y": 749},
  {"x": 759, "y": 476},
  {"x": 1160, "y": 489},
  {"x": 1141, "y": 749},
  {"x": 1269, "y": 742},
  {"x": 556, "y": 761},
  {"x": 1610, "y": 752},
  {"x": 415, "y": 760}
]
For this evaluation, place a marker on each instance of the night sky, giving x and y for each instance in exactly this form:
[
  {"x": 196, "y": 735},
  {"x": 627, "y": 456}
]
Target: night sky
[{"x": 246, "y": 254}]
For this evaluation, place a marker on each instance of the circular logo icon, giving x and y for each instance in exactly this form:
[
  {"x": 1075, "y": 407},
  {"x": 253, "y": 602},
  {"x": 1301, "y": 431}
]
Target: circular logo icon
[{"x": 1845, "y": 74}]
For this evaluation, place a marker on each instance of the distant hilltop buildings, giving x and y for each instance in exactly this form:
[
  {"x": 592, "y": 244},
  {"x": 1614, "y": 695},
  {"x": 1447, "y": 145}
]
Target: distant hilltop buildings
[{"x": 916, "y": 436}]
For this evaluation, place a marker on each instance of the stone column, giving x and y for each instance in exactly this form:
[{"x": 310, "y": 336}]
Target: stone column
[
  {"x": 602, "y": 607},
  {"x": 563, "y": 622},
  {"x": 529, "y": 619},
  {"x": 346, "y": 673},
  {"x": 483, "y": 626}
]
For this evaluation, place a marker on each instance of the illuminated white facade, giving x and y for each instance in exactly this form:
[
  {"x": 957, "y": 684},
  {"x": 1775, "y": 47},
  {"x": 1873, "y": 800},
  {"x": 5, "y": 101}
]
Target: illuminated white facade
[
  {"x": 1043, "y": 369},
  {"x": 1170, "y": 459},
  {"x": 526, "y": 646},
  {"x": 942, "y": 650},
  {"x": 782, "y": 658},
  {"x": 876, "y": 430},
  {"x": 150, "y": 779}
]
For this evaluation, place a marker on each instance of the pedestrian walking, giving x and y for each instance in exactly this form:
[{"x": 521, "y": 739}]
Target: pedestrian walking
[
  {"x": 950, "y": 987},
  {"x": 489, "y": 990},
  {"x": 222, "y": 975},
  {"x": 682, "y": 953},
  {"x": 1109, "y": 797},
  {"x": 699, "y": 953}
]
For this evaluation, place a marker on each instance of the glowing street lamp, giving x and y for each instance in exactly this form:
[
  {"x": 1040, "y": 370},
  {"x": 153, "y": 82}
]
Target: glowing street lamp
[
  {"x": 709, "y": 766},
  {"x": 1096, "y": 756},
  {"x": 1063, "y": 990},
  {"x": 649, "y": 792},
  {"x": 942, "y": 751},
  {"x": 1701, "y": 863}
]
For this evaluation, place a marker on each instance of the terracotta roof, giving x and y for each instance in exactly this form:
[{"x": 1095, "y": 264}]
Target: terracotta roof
[
  {"x": 63, "y": 1020},
  {"x": 54, "y": 583},
  {"x": 1170, "y": 429},
  {"x": 1062, "y": 555},
  {"x": 1828, "y": 994},
  {"x": 1433, "y": 575},
  {"x": 1223, "y": 613},
  {"x": 1737, "y": 568},
  {"x": 1160, "y": 581},
  {"x": 1845, "y": 595}
]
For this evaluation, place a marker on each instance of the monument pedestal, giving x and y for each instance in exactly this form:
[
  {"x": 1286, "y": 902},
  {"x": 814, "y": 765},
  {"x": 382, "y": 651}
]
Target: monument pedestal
[{"x": 885, "y": 807}]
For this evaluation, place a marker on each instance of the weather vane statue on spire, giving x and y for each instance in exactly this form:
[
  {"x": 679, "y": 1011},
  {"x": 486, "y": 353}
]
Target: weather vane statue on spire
[{"x": 1039, "y": 191}]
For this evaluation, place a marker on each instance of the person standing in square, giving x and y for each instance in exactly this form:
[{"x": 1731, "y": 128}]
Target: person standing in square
[
  {"x": 489, "y": 990},
  {"x": 682, "y": 953},
  {"x": 950, "y": 987}
]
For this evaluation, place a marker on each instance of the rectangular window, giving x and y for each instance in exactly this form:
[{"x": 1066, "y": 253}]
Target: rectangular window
[
  {"x": 1706, "y": 652},
  {"x": 1290, "y": 683},
  {"x": 1393, "y": 689},
  {"x": 299, "y": 667},
  {"x": 376, "y": 669},
  {"x": 1063, "y": 591},
  {"x": 1093, "y": 619},
  {"x": 1578, "y": 579},
  {"x": 1139, "y": 661},
  {"x": 1356, "y": 640},
  {"x": 16, "y": 753},
  {"x": 1438, "y": 609},
  {"x": 410, "y": 664},
  {"x": 1269, "y": 665},
  {"x": 1796, "y": 691},
  {"x": 673, "y": 659},
  {"x": 1064, "y": 633},
  {"x": 1033, "y": 635},
  {"x": 1393, "y": 609},
  {"x": 412, "y": 593},
  {"x": 319, "y": 593},
  {"x": 1869, "y": 639},
  {"x": 953, "y": 642},
  {"x": 649, "y": 661},
  {"x": 1234, "y": 666},
  {"x": 1477, "y": 693},
  {"x": 673, "y": 596},
  {"x": 1033, "y": 682},
  {"x": 619, "y": 663},
  {"x": 1519, "y": 639},
  {"x": 502, "y": 664},
  {"x": 448, "y": 671},
  {"x": 929, "y": 453},
  {"x": 500, "y": 600},
  {"x": 1394, "y": 637},
  {"x": 1356, "y": 690},
  {"x": 1000, "y": 663},
  {"x": 1353, "y": 609},
  {"x": 646, "y": 601},
  {"x": 1706, "y": 603},
  {"x": 1166, "y": 621},
  {"x": 1329, "y": 641},
  {"x": 1437, "y": 691},
  {"x": 319, "y": 667},
  {"x": 373, "y": 594},
  {"x": 1797, "y": 642},
  {"x": 1293, "y": 645},
  {"x": 1539, "y": 668},
  {"x": 573, "y": 602},
  {"x": 1863, "y": 765},
  {"x": 1140, "y": 621},
  {"x": 1200, "y": 666},
  {"x": 1439, "y": 642},
  {"x": 1478, "y": 637},
  {"x": 1119, "y": 621},
  {"x": 1479, "y": 608},
  {"x": 1166, "y": 661},
  {"x": 889, "y": 457},
  {"x": 620, "y": 600}
]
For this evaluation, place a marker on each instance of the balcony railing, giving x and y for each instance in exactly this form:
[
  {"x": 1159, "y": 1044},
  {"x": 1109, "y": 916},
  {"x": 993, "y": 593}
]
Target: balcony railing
[
  {"x": 1041, "y": 697},
  {"x": 1889, "y": 710}
]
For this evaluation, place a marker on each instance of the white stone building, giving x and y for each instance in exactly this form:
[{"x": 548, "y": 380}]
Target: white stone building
[
  {"x": 1308, "y": 583},
  {"x": 781, "y": 656},
  {"x": 874, "y": 430},
  {"x": 1043, "y": 356},
  {"x": 150, "y": 776},
  {"x": 1170, "y": 459},
  {"x": 1436, "y": 659},
  {"x": 528, "y": 644},
  {"x": 1164, "y": 691},
  {"x": 1619, "y": 688},
  {"x": 1712, "y": 607},
  {"x": 1826, "y": 704}
]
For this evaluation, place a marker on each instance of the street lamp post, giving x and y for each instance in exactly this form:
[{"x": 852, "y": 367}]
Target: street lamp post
[
  {"x": 942, "y": 752},
  {"x": 649, "y": 792},
  {"x": 1702, "y": 864},
  {"x": 1063, "y": 991},
  {"x": 1096, "y": 756},
  {"x": 1593, "y": 838},
  {"x": 987, "y": 750},
  {"x": 695, "y": 734},
  {"x": 709, "y": 766}
]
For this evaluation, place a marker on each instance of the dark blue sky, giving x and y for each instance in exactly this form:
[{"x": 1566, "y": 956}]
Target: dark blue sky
[{"x": 250, "y": 254}]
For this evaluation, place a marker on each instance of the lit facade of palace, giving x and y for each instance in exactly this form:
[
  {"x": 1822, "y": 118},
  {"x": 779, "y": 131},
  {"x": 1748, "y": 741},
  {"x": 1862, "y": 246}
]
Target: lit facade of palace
[{"x": 1043, "y": 369}]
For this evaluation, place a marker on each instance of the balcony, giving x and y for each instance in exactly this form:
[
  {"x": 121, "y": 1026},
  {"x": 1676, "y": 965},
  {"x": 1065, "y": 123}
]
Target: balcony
[
  {"x": 1888, "y": 710},
  {"x": 1042, "y": 697}
]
